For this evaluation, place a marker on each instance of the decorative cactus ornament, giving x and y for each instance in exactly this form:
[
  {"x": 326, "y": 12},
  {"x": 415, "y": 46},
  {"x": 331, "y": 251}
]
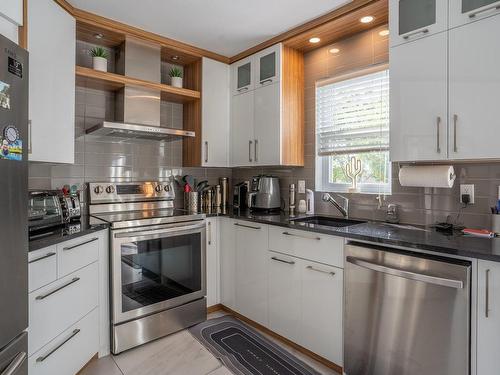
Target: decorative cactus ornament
[{"x": 353, "y": 170}]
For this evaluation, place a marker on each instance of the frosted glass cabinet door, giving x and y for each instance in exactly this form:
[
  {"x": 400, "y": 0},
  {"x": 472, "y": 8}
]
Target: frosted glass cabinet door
[
  {"x": 413, "y": 19},
  {"x": 267, "y": 66},
  {"x": 242, "y": 76},
  {"x": 466, "y": 11}
]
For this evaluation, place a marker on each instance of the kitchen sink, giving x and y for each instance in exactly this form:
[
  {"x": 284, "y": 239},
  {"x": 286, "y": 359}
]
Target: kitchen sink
[{"x": 328, "y": 221}]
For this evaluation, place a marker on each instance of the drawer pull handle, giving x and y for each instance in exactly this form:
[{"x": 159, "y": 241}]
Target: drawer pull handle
[
  {"x": 408, "y": 36},
  {"x": 48, "y": 255},
  {"x": 247, "y": 226},
  {"x": 242, "y": 89},
  {"x": 80, "y": 244},
  {"x": 266, "y": 81},
  {"x": 487, "y": 299},
  {"x": 494, "y": 7},
  {"x": 16, "y": 364},
  {"x": 43, "y": 296},
  {"x": 302, "y": 236},
  {"x": 209, "y": 232},
  {"x": 283, "y": 261},
  {"x": 52, "y": 351},
  {"x": 331, "y": 273}
]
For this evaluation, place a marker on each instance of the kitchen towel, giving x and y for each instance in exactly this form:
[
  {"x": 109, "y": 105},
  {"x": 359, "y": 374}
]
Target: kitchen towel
[{"x": 440, "y": 176}]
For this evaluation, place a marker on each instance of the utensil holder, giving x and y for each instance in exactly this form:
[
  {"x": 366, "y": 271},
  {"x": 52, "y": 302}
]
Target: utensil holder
[
  {"x": 191, "y": 200},
  {"x": 495, "y": 223}
]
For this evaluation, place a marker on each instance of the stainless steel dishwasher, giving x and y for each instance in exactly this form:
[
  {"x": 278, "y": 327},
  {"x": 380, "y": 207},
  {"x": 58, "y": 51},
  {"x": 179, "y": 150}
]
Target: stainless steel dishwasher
[{"x": 405, "y": 314}]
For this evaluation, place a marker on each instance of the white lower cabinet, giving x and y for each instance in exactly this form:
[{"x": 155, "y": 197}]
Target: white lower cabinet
[
  {"x": 69, "y": 351},
  {"x": 227, "y": 262},
  {"x": 488, "y": 318},
  {"x": 284, "y": 295},
  {"x": 213, "y": 270},
  {"x": 251, "y": 270}
]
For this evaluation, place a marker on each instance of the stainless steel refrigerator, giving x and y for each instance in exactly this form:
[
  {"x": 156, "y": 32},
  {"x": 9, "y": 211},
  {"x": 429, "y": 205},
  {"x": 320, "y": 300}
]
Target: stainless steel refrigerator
[{"x": 13, "y": 208}]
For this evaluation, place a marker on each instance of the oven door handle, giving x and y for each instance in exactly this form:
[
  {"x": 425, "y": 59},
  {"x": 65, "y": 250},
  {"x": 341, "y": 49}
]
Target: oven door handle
[{"x": 141, "y": 234}]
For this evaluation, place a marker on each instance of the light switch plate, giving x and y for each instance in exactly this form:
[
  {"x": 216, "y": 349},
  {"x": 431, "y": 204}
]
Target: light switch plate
[
  {"x": 301, "y": 187},
  {"x": 467, "y": 189}
]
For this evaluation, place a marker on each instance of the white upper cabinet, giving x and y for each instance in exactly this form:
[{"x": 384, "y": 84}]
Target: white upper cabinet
[
  {"x": 12, "y": 10},
  {"x": 51, "y": 44},
  {"x": 242, "y": 129},
  {"x": 474, "y": 82},
  {"x": 419, "y": 100},
  {"x": 215, "y": 113},
  {"x": 467, "y": 11},
  {"x": 242, "y": 76},
  {"x": 267, "y": 66},
  {"x": 414, "y": 19}
]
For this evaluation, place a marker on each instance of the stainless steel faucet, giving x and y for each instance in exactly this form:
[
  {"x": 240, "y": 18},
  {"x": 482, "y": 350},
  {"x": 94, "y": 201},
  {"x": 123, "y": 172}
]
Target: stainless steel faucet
[{"x": 344, "y": 209}]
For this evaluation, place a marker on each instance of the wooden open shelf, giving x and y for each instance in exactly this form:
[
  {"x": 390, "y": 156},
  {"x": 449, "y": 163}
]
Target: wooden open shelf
[{"x": 91, "y": 78}]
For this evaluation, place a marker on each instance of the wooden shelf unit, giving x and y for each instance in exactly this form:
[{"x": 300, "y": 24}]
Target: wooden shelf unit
[{"x": 87, "y": 77}]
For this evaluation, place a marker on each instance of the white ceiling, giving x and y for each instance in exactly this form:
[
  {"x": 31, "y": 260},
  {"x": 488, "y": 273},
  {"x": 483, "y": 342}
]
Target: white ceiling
[{"x": 223, "y": 26}]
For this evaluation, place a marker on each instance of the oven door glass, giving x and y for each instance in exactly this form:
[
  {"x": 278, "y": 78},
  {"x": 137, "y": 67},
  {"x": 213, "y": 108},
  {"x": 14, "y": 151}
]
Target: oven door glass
[{"x": 159, "y": 271}]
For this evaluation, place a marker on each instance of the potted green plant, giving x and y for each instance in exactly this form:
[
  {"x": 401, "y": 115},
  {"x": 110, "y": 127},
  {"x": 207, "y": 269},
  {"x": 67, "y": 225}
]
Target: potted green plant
[
  {"x": 99, "y": 59},
  {"x": 175, "y": 76}
]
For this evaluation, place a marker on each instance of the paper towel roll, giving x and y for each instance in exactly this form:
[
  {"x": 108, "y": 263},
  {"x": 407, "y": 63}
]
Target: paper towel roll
[{"x": 440, "y": 176}]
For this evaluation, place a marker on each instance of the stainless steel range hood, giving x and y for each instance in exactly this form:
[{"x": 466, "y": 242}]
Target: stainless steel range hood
[{"x": 137, "y": 109}]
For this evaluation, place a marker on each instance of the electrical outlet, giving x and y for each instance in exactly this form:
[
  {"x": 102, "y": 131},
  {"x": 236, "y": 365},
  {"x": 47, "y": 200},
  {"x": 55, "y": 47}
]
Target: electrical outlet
[
  {"x": 467, "y": 189},
  {"x": 301, "y": 188}
]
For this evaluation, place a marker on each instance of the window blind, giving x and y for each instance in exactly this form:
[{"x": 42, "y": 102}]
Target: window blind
[{"x": 352, "y": 113}]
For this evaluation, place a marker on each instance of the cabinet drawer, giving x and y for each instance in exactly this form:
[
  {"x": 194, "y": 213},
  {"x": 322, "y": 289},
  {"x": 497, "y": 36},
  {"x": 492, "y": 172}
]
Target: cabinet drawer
[
  {"x": 75, "y": 254},
  {"x": 42, "y": 267},
  {"x": 55, "y": 307},
  {"x": 70, "y": 351},
  {"x": 308, "y": 245}
]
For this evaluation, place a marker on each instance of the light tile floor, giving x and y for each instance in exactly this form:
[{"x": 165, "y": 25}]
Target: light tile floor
[{"x": 179, "y": 353}]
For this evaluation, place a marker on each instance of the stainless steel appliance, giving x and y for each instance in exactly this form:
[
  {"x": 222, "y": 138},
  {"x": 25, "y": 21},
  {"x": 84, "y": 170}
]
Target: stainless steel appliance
[
  {"x": 44, "y": 210},
  {"x": 158, "y": 261},
  {"x": 14, "y": 202},
  {"x": 405, "y": 314},
  {"x": 240, "y": 192},
  {"x": 264, "y": 193},
  {"x": 70, "y": 204}
]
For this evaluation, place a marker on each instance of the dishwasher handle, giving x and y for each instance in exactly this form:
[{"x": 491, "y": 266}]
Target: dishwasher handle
[{"x": 451, "y": 283}]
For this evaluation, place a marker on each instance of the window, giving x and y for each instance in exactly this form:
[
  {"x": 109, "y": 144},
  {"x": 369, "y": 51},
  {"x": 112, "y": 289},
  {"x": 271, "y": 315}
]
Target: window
[{"x": 352, "y": 120}]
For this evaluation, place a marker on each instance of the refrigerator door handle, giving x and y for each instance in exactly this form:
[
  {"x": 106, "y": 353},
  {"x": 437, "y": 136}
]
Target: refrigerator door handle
[
  {"x": 457, "y": 284},
  {"x": 16, "y": 364}
]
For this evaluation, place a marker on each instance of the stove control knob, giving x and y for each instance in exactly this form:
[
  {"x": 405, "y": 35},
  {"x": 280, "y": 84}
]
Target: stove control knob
[
  {"x": 98, "y": 189},
  {"x": 158, "y": 188},
  {"x": 167, "y": 188},
  {"x": 110, "y": 189}
]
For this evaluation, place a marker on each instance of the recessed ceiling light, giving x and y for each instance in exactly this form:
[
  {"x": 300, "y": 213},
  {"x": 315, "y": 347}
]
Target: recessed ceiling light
[
  {"x": 334, "y": 50},
  {"x": 98, "y": 36},
  {"x": 314, "y": 40},
  {"x": 175, "y": 57},
  {"x": 366, "y": 19},
  {"x": 383, "y": 32}
]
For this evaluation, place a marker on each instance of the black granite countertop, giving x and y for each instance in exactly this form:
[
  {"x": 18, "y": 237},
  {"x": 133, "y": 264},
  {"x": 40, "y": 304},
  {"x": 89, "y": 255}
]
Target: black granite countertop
[
  {"x": 55, "y": 235},
  {"x": 411, "y": 237}
]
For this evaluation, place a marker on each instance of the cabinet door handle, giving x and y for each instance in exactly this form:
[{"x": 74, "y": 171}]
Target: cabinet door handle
[
  {"x": 438, "y": 126},
  {"x": 331, "y": 273},
  {"x": 487, "y": 295},
  {"x": 206, "y": 151},
  {"x": 209, "y": 232},
  {"x": 15, "y": 364},
  {"x": 266, "y": 81},
  {"x": 30, "y": 137},
  {"x": 242, "y": 89},
  {"x": 52, "y": 351},
  {"x": 408, "y": 36},
  {"x": 494, "y": 7},
  {"x": 246, "y": 226},
  {"x": 80, "y": 244},
  {"x": 302, "y": 236},
  {"x": 255, "y": 150},
  {"x": 455, "y": 121},
  {"x": 43, "y": 296},
  {"x": 48, "y": 255},
  {"x": 282, "y": 260},
  {"x": 250, "y": 151}
]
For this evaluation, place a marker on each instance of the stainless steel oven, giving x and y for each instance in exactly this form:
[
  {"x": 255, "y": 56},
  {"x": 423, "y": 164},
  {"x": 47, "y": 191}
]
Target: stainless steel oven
[{"x": 157, "y": 261}]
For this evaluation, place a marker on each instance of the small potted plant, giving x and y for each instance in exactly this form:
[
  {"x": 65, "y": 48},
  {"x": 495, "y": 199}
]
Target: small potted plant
[
  {"x": 99, "y": 59},
  {"x": 176, "y": 76}
]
